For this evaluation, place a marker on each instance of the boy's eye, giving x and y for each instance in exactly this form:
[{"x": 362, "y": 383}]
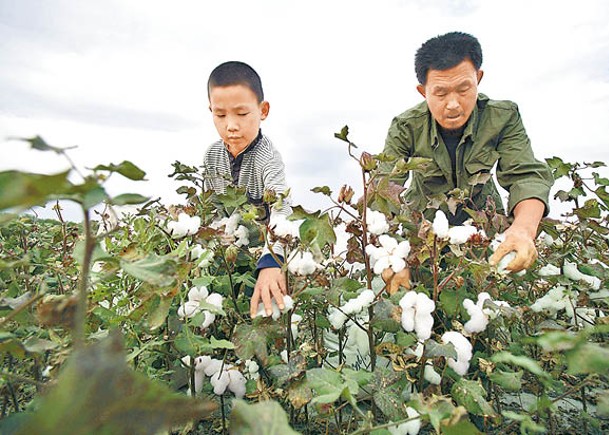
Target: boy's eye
[
  {"x": 244, "y": 114},
  {"x": 218, "y": 115}
]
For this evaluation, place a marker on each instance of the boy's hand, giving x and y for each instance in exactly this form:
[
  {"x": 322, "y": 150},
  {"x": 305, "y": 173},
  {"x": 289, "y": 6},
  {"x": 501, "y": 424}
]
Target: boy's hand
[{"x": 271, "y": 284}]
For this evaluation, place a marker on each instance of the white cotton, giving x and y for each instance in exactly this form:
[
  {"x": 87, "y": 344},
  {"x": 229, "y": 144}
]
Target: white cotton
[
  {"x": 599, "y": 295},
  {"x": 440, "y": 225},
  {"x": 417, "y": 311},
  {"x": 556, "y": 299},
  {"x": 503, "y": 263},
  {"x": 199, "y": 378},
  {"x": 201, "y": 362},
  {"x": 215, "y": 299},
  {"x": 220, "y": 381},
  {"x": 336, "y": 318},
  {"x": 478, "y": 317},
  {"x": 188, "y": 309},
  {"x": 570, "y": 271},
  {"x": 355, "y": 305},
  {"x": 208, "y": 320},
  {"x": 464, "y": 351},
  {"x": 410, "y": 427},
  {"x": 242, "y": 236},
  {"x": 284, "y": 355},
  {"x": 431, "y": 375},
  {"x": 212, "y": 366},
  {"x": 197, "y": 293},
  {"x": 376, "y": 222},
  {"x": 461, "y": 234},
  {"x": 288, "y": 303},
  {"x": 549, "y": 270},
  {"x": 184, "y": 226},
  {"x": 236, "y": 383},
  {"x": 302, "y": 263},
  {"x": 282, "y": 227},
  {"x": 295, "y": 321},
  {"x": 389, "y": 254}
]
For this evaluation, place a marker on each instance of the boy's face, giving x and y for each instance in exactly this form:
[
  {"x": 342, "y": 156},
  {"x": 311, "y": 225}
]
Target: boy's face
[
  {"x": 237, "y": 115},
  {"x": 451, "y": 94}
]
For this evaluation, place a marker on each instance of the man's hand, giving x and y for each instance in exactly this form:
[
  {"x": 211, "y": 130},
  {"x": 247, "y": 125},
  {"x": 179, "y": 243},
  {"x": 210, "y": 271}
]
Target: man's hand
[
  {"x": 271, "y": 284},
  {"x": 520, "y": 242},
  {"x": 520, "y": 237}
]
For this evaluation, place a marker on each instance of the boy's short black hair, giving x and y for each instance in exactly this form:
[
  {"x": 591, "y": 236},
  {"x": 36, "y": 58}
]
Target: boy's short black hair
[
  {"x": 446, "y": 51},
  {"x": 236, "y": 73}
]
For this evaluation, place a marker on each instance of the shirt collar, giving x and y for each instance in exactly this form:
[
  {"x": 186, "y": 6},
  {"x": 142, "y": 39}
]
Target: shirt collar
[{"x": 470, "y": 127}]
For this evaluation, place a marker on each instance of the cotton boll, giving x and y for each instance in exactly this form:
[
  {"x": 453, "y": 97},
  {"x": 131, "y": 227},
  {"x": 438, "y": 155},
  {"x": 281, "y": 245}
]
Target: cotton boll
[
  {"x": 478, "y": 320},
  {"x": 549, "y": 270},
  {"x": 282, "y": 227},
  {"x": 503, "y": 263},
  {"x": 336, "y": 318},
  {"x": 431, "y": 375},
  {"x": 236, "y": 383},
  {"x": 199, "y": 378},
  {"x": 376, "y": 222},
  {"x": 215, "y": 299},
  {"x": 284, "y": 355},
  {"x": 464, "y": 351},
  {"x": 188, "y": 310},
  {"x": 288, "y": 304},
  {"x": 184, "y": 226},
  {"x": 220, "y": 381},
  {"x": 570, "y": 271},
  {"x": 355, "y": 305},
  {"x": 440, "y": 225},
  {"x": 242, "y": 236},
  {"x": 302, "y": 263},
  {"x": 213, "y": 366},
  {"x": 208, "y": 320},
  {"x": 461, "y": 234},
  {"x": 197, "y": 293},
  {"x": 410, "y": 427},
  {"x": 201, "y": 362}
]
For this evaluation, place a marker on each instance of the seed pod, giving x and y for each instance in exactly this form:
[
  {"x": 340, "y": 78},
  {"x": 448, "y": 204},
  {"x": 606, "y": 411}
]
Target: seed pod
[{"x": 367, "y": 162}]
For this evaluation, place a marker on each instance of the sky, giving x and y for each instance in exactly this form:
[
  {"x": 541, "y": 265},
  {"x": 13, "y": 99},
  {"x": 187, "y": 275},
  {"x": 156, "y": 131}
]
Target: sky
[{"x": 126, "y": 79}]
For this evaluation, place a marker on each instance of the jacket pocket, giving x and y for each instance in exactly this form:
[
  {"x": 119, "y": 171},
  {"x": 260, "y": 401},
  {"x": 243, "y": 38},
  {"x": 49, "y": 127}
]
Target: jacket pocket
[{"x": 482, "y": 162}]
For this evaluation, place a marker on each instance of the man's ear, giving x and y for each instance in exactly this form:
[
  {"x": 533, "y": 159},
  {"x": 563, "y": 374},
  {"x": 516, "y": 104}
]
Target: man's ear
[
  {"x": 480, "y": 73},
  {"x": 209, "y": 107},
  {"x": 421, "y": 90},
  {"x": 264, "y": 109}
]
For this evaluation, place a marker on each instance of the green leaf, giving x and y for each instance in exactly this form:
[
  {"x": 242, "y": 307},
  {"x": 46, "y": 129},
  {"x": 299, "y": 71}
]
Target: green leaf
[
  {"x": 128, "y": 198},
  {"x": 262, "y": 418},
  {"x": 125, "y": 168},
  {"x": 588, "y": 358},
  {"x": 38, "y": 143},
  {"x": 251, "y": 340},
  {"x": 324, "y": 190},
  {"x": 342, "y": 135},
  {"x": 156, "y": 270},
  {"x": 221, "y": 344},
  {"x": 97, "y": 392},
  {"x": 509, "y": 381},
  {"x": 472, "y": 396},
  {"x": 22, "y": 189},
  {"x": 522, "y": 361},
  {"x": 434, "y": 349},
  {"x": 328, "y": 384},
  {"x": 317, "y": 231}
]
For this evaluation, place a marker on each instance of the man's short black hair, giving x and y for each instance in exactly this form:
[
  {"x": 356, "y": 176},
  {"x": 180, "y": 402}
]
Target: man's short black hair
[
  {"x": 236, "y": 73},
  {"x": 446, "y": 51}
]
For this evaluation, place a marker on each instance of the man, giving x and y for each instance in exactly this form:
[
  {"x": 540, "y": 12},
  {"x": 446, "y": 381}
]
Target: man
[{"x": 465, "y": 133}]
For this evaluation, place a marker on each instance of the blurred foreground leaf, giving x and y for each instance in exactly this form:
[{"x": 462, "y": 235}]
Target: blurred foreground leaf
[
  {"x": 98, "y": 393},
  {"x": 24, "y": 189},
  {"x": 263, "y": 418}
]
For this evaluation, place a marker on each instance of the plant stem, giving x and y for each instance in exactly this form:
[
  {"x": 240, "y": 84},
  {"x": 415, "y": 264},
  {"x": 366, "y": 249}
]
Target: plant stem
[{"x": 81, "y": 307}]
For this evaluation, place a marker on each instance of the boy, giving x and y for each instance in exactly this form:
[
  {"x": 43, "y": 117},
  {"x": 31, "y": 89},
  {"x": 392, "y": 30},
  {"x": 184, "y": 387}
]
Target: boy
[{"x": 245, "y": 157}]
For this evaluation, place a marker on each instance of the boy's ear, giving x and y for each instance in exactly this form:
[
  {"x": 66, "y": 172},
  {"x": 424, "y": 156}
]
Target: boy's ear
[{"x": 264, "y": 109}]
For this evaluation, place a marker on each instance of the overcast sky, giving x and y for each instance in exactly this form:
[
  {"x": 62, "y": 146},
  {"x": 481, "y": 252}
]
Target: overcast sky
[{"x": 125, "y": 79}]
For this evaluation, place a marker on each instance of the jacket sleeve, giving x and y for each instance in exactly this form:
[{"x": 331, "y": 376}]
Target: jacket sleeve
[
  {"x": 397, "y": 145},
  {"x": 518, "y": 171}
]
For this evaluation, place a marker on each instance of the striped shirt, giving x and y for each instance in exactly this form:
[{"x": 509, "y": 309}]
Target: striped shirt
[{"x": 257, "y": 168}]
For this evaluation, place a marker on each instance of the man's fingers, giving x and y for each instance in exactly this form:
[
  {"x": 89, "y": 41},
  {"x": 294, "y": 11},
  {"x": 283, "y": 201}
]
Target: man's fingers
[
  {"x": 277, "y": 294},
  {"x": 266, "y": 300}
]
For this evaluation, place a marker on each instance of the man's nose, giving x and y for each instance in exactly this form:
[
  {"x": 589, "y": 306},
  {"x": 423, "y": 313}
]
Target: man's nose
[{"x": 453, "y": 102}]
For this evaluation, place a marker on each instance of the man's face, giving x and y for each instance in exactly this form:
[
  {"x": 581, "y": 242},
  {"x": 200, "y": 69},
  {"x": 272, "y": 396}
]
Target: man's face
[
  {"x": 451, "y": 94},
  {"x": 237, "y": 115}
]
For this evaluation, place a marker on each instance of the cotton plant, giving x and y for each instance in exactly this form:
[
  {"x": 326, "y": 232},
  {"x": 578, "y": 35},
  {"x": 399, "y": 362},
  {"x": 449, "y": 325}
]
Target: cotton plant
[
  {"x": 288, "y": 303},
  {"x": 356, "y": 348},
  {"x": 221, "y": 376},
  {"x": 479, "y": 314},
  {"x": 192, "y": 307},
  {"x": 376, "y": 222},
  {"x": 390, "y": 254},
  {"x": 417, "y": 309},
  {"x": 411, "y": 427},
  {"x": 201, "y": 256},
  {"x": 252, "y": 369},
  {"x": 560, "y": 298},
  {"x": 440, "y": 225},
  {"x": 232, "y": 229},
  {"x": 185, "y": 225},
  {"x": 302, "y": 263},
  {"x": 464, "y": 351}
]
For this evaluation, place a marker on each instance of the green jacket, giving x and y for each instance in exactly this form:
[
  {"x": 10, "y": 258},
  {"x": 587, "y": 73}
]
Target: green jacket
[{"x": 493, "y": 134}]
